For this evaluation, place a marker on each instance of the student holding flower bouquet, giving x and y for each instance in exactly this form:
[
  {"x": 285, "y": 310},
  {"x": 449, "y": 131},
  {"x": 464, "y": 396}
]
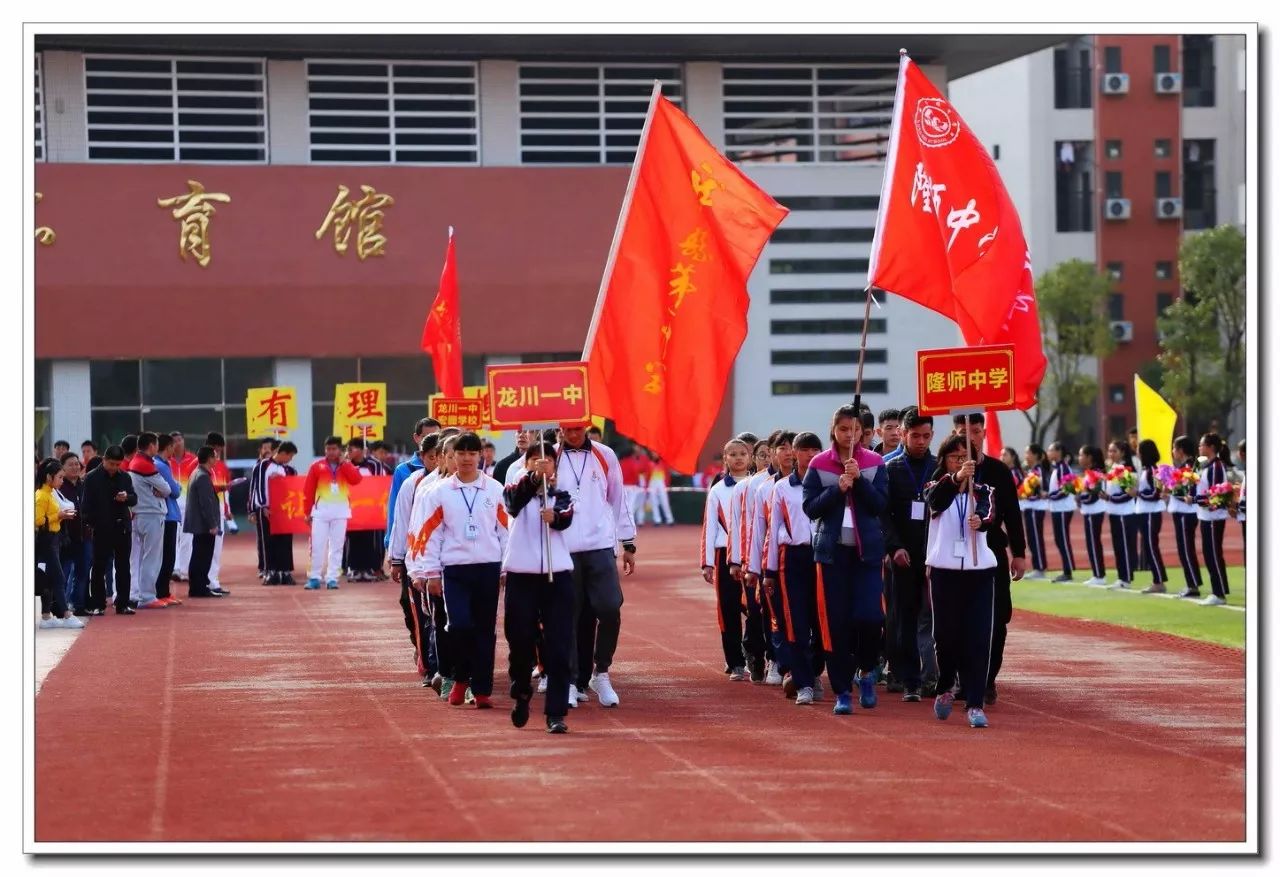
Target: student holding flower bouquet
[
  {"x": 1062, "y": 504},
  {"x": 1150, "y": 513},
  {"x": 1122, "y": 488},
  {"x": 1093, "y": 509},
  {"x": 1183, "y": 512},
  {"x": 1240, "y": 493},
  {"x": 1033, "y": 500},
  {"x": 1213, "y": 496}
]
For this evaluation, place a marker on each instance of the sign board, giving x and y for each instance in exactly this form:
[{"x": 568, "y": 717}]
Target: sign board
[
  {"x": 544, "y": 392},
  {"x": 468, "y": 414},
  {"x": 956, "y": 378},
  {"x": 359, "y": 410},
  {"x": 271, "y": 412}
]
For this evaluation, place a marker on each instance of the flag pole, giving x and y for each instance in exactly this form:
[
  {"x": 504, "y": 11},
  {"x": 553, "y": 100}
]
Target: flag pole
[
  {"x": 877, "y": 239},
  {"x": 622, "y": 220},
  {"x": 546, "y": 528}
]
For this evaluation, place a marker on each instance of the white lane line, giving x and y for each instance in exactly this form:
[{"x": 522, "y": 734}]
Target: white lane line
[{"x": 166, "y": 737}]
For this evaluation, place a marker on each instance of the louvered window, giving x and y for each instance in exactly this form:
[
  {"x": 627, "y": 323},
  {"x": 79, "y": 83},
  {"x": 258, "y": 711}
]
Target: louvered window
[
  {"x": 808, "y": 113},
  {"x": 39, "y": 110},
  {"x": 149, "y": 108},
  {"x": 588, "y": 113},
  {"x": 378, "y": 112}
]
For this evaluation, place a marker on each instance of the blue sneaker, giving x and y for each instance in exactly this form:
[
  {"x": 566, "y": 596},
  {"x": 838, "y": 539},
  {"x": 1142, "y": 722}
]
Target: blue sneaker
[
  {"x": 942, "y": 705},
  {"x": 867, "y": 684},
  {"x": 312, "y": 585},
  {"x": 332, "y": 584},
  {"x": 844, "y": 705},
  {"x": 977, "y": 718}
]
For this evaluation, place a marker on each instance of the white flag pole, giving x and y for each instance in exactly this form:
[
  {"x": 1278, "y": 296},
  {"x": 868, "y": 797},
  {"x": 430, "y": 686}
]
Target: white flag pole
[{"x": 622, "y": 220}]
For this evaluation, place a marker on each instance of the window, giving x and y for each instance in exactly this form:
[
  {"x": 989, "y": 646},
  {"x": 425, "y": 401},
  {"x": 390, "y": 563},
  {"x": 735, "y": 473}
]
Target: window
[
  {"x": 1115, "y": 306},
  {"x": 379, "y": 112},
  {"x": 1161, "y": 58},
  {"x": 1115, "y": 270},
  {"x": 801, "y": 113},
  {"x": 843, "y": 356},
  {"x": 818, "y": 266},
  {"x": 1116, "y": 392},
  {"x": 1199, "y": 188},
  {"x": 1164, "y": 184},
  {"x": 995, "y": 152},
  {"x": 1113, "y": 149},
  {"x": 824, "y": 327},
  {"x": 1117, "y": 425},
  {"x": 1164, "y": 270},
  {"x": 1198, "y": 76},
  {"x": 830, "y": 202},
  {"x": 829, "y": 388},
  {"x": 823, "y": 236},
  {"x": 818, "y": 296},
  {"x": 1073, "y": 75},
  {"x": 587, "y": 113},
  {"x": 1111, "y": 60},
  {"x": 39, "y": 104},
  {"x": 1164, "y": 147},
  {"x": 1073, "y": 181},
  {"x": 1115, "y": 184},
  {"x": 151, "y": 108},
  {"x": 1164, "y": 301}
]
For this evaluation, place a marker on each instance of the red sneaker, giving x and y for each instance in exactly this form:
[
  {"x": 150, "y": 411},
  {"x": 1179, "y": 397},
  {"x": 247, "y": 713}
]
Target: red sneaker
[
  {"x": 484, "y": 702},
  {"x": 172, "y": 601},
  {"x": 458, "y": 692},
  {"x": 155, "y": 604}
]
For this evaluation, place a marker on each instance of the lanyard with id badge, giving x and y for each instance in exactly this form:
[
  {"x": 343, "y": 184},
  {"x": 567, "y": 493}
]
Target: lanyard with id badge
[
  {"x": 917, "y": 504},
  {"x": 471, "y": 531},
  {"x": 961, "y": 546}
]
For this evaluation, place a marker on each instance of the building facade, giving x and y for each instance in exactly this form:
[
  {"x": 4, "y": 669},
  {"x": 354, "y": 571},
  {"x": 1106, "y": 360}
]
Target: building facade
[
  {"x": 523, "y": 144},
  {"x": 1114, "y": 148}
]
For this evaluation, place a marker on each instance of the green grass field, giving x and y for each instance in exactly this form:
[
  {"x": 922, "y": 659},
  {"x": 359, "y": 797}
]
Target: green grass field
[{"x": 1213, "y": 624}]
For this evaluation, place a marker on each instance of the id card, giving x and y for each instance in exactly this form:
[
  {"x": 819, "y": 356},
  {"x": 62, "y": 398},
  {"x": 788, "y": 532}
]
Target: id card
[
  {"x": 333, "y": 487},
  {"x": 471, "y": 531},
  {"x": 917, "y": 510},
  {"x": 960, "y": 547},
  {"x": 848, "y": 518}
]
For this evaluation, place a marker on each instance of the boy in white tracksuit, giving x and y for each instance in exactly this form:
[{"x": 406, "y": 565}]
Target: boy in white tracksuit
[
  {"x": 457, "y": 539},
  {"x": 327, "y": 502}
]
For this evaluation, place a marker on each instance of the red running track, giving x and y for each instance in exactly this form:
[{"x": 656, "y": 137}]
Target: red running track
[{"x": 281, "y": 714}]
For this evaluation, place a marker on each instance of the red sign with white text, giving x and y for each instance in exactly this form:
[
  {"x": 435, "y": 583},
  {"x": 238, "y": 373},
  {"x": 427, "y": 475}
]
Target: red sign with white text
[
  {"x": 546, "y": 392},
  {"x": 368, "y": 504},
  {"x": 954, "y": 378}
]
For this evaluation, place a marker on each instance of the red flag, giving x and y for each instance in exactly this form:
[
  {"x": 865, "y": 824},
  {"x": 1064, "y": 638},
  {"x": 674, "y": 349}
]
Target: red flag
[
  {"x": 948, "y": 236},
  {"x": 994, "y": 444},
  {"x": 672, "y": 311},
  {"x": 442, "y": 331}
]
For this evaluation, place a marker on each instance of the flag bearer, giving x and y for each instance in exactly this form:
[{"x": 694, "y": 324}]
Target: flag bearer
[{"x": 327, "y": 502}]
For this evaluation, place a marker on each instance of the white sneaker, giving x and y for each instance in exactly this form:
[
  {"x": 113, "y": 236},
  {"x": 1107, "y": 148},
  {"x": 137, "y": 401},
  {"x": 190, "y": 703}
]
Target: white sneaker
[
  {"x": 1120, "y": 585},
  {"x": 72, "y": 622},
  {"x": 581, "y": 693},
  {"x": 1212, "y": 600},
  {"x": 818, "y": 690},
  {"x": 737, "y": 674},
  {"x": 573, "y": 696},
  {"x": 604, "y": 691},
  {"x": 47, "y": 623},
  {"x": 804, "y": 697},
  {"x": 542, "y": 685},
  {"x": 1034, "y": 575},
  {"x": 1095, "y": 582},
  {"x": 773, "y": 677}
]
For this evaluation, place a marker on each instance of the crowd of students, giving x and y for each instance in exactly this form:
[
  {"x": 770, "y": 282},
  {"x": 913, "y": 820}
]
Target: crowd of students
[{"x": 893, "y": 566}]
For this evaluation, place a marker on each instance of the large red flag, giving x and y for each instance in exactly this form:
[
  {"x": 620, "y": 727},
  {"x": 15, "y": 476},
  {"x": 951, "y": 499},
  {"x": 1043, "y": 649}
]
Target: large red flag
[
  {"x": 948, "y": 236},
  {"x": 442, "y": 331},
  {"x": 672, "y": 311}
]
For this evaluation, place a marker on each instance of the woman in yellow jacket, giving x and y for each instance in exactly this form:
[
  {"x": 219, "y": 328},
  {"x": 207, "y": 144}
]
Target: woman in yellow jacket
[{"x": 50, "y": 513}]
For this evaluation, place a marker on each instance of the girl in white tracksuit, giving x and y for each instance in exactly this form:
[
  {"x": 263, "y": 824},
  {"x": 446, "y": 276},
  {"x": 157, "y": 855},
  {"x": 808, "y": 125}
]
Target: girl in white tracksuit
[
  {"x": 1150, "y": 514},
  {"x": 1034, "y": 509},
  {"x": 1243, "y": 484},
  {"x": 1213, "y": 522},
  {"x": 1093, "y": 512},
  {"x": 1120, "y": 510},
  {"x": 714, "y": 560},
  {"x": 1061, "y": 506},
  {"x": 1184, "y": 519}
]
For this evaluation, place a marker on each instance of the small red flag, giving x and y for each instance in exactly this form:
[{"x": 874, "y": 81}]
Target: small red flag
[
  {"x": 672, "y": 311},
  {"x": 442, "y": 331},
  {"x": 948, "y": 236}
]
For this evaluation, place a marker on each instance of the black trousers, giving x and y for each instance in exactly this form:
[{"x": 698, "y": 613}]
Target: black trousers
[
  {"x": 742, "y": 645},
  {"x": 1124, "y": 543},
  {"x": 362, "y": 552},
  {"x": 1033, "y": 524},
  {"x": 168, "y": 555},
  {"x": 908, "y": 584},
  {"x": 53, "y": 593},
  {"x": 110, "y": 546},
  {"x": 1149, "y": 524},
  {"x": 1062, "y": 538},
  {"x": 1003, "y": 615},
  {"x": 260, "y": 534},
  {"x": 277, "y": 549},
  {"x": 1093, "y": 543},
  {"x": 440, "y": 649},
  {"x": 198, "y": 571},
  {"x": 1211, "y": 535},
  {"x": 532, "y": 603},
  {"x": 848, "y": 590},
  {"x": 1184, "y": 534},
  {"x": 597, "y": 609},
  {"x": 798, "y": 590},
  {"x": 471, "y": 598},
  {"x": 963, "y": 622}
]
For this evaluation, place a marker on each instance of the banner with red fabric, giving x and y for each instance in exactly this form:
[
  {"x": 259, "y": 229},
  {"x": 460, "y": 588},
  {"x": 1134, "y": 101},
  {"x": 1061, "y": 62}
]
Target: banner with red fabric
[{"x": 368, "y": 504}]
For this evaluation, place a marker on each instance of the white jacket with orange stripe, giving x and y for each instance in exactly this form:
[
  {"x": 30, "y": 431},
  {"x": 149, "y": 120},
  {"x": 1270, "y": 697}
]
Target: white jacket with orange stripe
[
  {"x": 715, "y": 520},
  {"x": 788, "y": 524},
  {"x": 438, "y": 526}
]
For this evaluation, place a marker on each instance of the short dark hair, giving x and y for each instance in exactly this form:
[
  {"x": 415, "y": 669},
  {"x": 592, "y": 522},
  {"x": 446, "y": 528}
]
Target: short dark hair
[
  {"x": 63, "y": 442},
  {"x": 424, "y": 424},
  {"x": 287, "y": 448},
  {"x": 951, "y": 444},
  {"x": 266, "y": 440},
  {"x": 868, "y": 419},
  {"x": 205, "y": 454},
  {"x": 1133, "y": 431},
  {"x": 114, "y": 452},
  {"x": 911, "y": 418},
  {"x": 176, "y": 434},
  {"x": 450, "y": 432},
  {"x": 488, "y": 444},
  {"x": 163, "y": 442},
  {"x": 597, "y": 430},
  {"x": 430, "y": 442},
  {"x": 772, "y": 440},
  {"x": 975, "y": 417},
  {"x": 146, "y": 440},
  {"x": 747, "y": 438},
  {"x": 890, "y": 414},
  {"x": 785, "y": 437},
  {"x": 88, "y": 443},
  {"x": 333, "y": 440},
  {"x": 468, "y": 441},
  {"x": 541, "y": 449},
  {"x": 807, "y": 441},
  {"x": 93, "y": 464},
  {"x": 68, "y": 456},
  {"x": 129, "y": 444},
  {"x": 356, "y": 442},
  {"x": 215, "y": 440}
]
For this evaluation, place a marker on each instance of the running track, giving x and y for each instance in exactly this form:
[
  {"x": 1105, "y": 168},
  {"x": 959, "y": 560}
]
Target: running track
[{"x": 281, "y": 714}]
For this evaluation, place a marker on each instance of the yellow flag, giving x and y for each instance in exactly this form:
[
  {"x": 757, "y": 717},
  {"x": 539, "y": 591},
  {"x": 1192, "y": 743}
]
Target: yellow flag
[{"x": 1156, "y": 419}]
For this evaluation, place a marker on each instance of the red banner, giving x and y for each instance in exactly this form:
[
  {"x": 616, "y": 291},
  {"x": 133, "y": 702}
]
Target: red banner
[
  {"x": 368, "y": 504},
  {"x": 548, "y": 392},
  {"x": 953, "y": 378},
  {"x": 460, "y": 412}
]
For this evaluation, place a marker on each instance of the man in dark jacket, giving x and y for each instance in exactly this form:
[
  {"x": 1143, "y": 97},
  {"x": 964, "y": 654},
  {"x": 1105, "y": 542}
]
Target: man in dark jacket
[
  {"x": 501, "y": 468},
  {"x": 906, "y": 530},
  {"x": 108, "y": 496},
  {"x": 1006, "y": 533},
  {"x": 203, "y": 521}
]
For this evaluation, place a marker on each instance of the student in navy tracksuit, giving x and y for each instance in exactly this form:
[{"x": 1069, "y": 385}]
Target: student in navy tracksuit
[
  {"x": 1010, "y": 458},
  {"x": 1093, "y": 511},
  {"x": 1150, "y": 514},
  {"x": 1243, "y": 484},
  {"x": 962, "y": 590},
  {"x": 1182, "y": 516},
  {"x": 1062, "y": 506},
  {"x": 1213, "y": 522},
  {"x": 1121, "y": 510},
  {"x": 1033, "y": 510},
  {"x": 845, "y": 492}
]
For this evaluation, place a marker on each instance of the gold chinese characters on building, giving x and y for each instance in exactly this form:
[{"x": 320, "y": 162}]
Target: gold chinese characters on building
[
  {"x": 44, "y": 235},
  {"x": 365, "y": 216},
  {"x": 193, "y": 211}
]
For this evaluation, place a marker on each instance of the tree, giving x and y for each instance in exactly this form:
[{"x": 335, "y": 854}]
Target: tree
[
  {"x": 1072, "y": 299},
  {"x": 1203, "y": 333}
]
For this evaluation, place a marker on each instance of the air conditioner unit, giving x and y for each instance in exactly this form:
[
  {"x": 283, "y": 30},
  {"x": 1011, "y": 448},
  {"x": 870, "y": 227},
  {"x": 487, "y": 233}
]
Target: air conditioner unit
[
  {"x": 1115, "y": 83},
  {"x": 1116, "y": 208},
  {"x": 1168, "y": 208},
  {"x": 1168, "y": 83},
  {"x": 1122, "y": 330}
]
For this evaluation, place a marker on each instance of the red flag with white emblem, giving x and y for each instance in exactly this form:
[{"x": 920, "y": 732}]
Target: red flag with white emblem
[
  {"x": 442, "y": 331},
  {"x": 948, "y": 236}
]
